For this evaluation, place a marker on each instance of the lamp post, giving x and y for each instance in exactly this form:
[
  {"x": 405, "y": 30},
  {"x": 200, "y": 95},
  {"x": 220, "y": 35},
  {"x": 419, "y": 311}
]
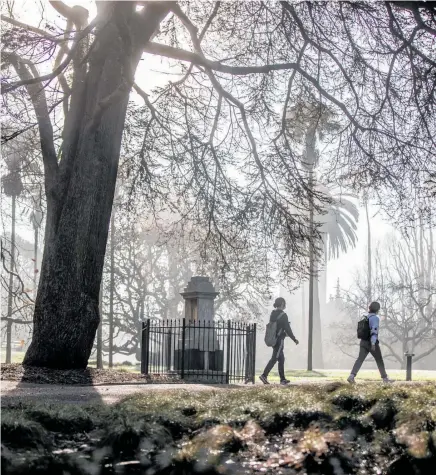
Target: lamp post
[
  {"x": 409, "y": 357},
  {"x": 12, "y": 186}
]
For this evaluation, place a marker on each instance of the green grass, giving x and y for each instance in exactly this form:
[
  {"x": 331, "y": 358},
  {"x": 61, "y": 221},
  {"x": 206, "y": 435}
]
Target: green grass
[
  {"x": 16, "y": 356},
  {"x": 134, "y": 368},
  {"x": 292, "y": 375},
  {"x": 342, "y": 375},
  {"x": 325, "y": 375}
]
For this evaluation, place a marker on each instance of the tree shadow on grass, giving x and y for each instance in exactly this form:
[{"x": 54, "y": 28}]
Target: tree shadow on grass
[{"x": 36, "y": 385}]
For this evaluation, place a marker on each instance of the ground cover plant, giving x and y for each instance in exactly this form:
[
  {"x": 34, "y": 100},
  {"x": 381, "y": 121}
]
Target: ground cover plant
[{"x": 327, "y": 429}]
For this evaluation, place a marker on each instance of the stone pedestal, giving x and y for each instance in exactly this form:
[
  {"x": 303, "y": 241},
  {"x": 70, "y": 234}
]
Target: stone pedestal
[{"x": 202, "y": 349}]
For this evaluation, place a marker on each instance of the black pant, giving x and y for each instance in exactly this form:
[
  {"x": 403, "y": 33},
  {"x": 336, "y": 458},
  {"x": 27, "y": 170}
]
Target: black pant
[
  {"x": 365, "y": 348},
  {"x": 279, "y": 356}
]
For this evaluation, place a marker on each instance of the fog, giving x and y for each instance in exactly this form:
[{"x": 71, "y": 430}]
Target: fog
[{"x": 253, "y": 232}]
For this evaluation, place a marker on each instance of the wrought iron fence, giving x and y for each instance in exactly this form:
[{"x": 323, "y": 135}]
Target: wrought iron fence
[{"x": 214, "y": 352}]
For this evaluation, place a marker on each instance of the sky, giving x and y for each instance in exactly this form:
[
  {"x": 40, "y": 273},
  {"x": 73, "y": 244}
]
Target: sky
[{"x": 151, "y": 72}]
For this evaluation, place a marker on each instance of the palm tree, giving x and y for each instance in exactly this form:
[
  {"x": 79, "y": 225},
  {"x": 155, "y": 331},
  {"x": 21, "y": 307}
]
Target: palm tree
[
  {"x": 308, "y": 123},
  {"x": 338, "y": 225},
  {"x": 338, "y": 228}
]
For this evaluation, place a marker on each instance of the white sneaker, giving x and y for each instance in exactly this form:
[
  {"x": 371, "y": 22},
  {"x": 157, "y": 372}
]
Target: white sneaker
[{"x": 387, "y": 380}]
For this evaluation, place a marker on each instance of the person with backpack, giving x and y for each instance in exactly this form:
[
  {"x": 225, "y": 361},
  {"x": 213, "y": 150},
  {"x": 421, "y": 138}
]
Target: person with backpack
[
  {"x": 367, "y": 332},
  {"x": 277, "y": 330}
]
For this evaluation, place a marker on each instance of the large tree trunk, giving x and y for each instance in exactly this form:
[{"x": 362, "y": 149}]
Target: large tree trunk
[{"x": 81, "y": 194}]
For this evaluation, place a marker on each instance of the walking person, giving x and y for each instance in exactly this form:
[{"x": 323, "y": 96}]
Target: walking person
[
  {"x": 279, "y": 323},
  {"x": 369, "y": 344}
]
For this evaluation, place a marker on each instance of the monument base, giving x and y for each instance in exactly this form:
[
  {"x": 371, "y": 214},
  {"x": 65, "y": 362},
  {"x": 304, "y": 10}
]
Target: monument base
[
  {"x": 201, "y": 376},
  {"x": 197, "y": 360}
]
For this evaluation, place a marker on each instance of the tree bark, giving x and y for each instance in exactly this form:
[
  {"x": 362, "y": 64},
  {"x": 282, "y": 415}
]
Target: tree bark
[{"x": 80, "y": 192}]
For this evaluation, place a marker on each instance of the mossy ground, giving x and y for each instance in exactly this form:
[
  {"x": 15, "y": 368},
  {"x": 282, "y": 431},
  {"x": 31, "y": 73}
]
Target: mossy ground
[{"x": 330, "y": 428}]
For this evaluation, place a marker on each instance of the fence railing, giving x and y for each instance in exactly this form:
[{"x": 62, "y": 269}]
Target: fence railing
[{"x": 206, "y": 351}]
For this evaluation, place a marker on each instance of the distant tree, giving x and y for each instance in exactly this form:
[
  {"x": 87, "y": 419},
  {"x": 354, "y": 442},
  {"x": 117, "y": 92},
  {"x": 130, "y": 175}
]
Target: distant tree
[
  {"x": 12, "y": 186},
  {"x": 150, "y": 274},
  {"x": 21, "y": 184},
  {"x": 404, "y": 283},
  {"x": 17, "y": 291}
]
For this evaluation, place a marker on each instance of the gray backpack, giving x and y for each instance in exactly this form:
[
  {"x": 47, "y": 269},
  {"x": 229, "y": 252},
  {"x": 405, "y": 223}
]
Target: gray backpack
[{"x": 271, "y": 332}]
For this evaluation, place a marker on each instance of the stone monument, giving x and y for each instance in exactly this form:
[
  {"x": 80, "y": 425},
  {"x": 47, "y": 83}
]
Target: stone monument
[{"x": 203, "y": 355}]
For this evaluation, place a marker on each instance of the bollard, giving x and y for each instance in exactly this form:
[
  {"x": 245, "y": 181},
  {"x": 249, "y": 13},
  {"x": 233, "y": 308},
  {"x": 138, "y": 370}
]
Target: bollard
[{"x": 409, "y": 365}]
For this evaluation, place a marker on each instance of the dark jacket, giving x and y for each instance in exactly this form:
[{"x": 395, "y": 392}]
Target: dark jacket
[{"x": 283, "y": 326}]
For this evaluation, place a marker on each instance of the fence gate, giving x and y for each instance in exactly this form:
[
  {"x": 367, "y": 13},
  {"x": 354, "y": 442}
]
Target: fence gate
[{"x": 203, "y": 351}]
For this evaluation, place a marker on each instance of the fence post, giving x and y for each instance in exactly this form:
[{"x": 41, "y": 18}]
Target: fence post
[
  {"x": 228, "y": 352},
  {"x": 142, "y": 338},
  {"x": 145, "y": 337},
  {"x": 168, "y": 355},
  {"x": 409, "y": 357},
  {"x": 247, "y": 369},
  {"x": 253, "y": 376},
  {"x": 182, "y": 374}
]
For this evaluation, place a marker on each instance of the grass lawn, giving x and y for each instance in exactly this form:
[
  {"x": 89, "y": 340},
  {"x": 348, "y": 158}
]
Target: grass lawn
[
  {"x": 292, "y": 375},
  {"x": 322, "y": 375},
  {"x": 16, "y": 356},
  {"x": 306, "y": 429},
  {"x": 342, "y": 375}
]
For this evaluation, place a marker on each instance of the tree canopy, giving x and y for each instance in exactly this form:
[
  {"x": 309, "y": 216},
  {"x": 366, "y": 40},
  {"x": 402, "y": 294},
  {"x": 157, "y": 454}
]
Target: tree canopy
[{"x": 219, "y": 128}]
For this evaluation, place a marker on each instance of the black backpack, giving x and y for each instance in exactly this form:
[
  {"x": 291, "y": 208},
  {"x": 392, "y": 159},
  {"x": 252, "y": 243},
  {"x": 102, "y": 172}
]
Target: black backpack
[
  {"x": 271, "y": 332},
  {"x": 363, "y": 330}
]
